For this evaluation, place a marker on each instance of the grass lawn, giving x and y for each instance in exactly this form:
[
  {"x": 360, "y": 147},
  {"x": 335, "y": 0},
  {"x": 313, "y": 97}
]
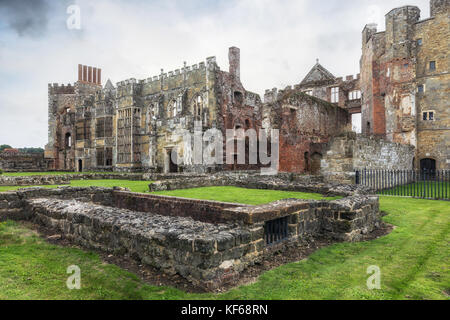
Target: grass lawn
[
  {"x": 135, "y": 186},
  {"x": 240, "y": 195},
  {"x": 430, "y": 190},
  {"x": 414, "y": 261}
]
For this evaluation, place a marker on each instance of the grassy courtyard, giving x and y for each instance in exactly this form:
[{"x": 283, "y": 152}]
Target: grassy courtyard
[
  {"x": 134, "y": 186},
  {"x": 414, "y": 261},
  {"x": 241, "y": 195}
]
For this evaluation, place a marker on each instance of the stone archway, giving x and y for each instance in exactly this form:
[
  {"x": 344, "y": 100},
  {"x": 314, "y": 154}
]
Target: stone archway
[{"x": 428, "y": 165}]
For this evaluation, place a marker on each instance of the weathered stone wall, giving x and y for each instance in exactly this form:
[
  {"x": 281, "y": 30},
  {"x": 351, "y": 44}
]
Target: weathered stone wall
[
  {"x": 13, "y": 203},
  {"x": 22, "y": 162},
  {"x": 60, "y": 179},
  {"x": 207, "y": 254},
  {"x": 351, "y": 152},
  {"x": 305, "y": 125},
  {"x": 171, "y": 233},
  {"x": 405, "y": 77}
]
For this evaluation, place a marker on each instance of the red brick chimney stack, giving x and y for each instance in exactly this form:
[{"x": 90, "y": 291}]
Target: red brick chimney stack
[{"x": 88, "y": 74}]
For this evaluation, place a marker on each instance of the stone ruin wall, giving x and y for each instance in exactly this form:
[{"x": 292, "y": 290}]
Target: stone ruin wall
[
  {"x": 305, "y": 126},
  {"x": 209, "y": 243},
  {"x": 351, "y": 152},
  {"x": 22, "y": 162}
]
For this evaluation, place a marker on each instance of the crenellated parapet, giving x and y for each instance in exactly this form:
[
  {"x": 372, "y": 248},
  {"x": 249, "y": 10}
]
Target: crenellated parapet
[{"x": 56, "y": 88}]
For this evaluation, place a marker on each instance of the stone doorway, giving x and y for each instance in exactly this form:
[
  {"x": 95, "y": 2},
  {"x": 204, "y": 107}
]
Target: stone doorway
[
  {"x": 80, "y": 165},
  {"x": 428, "y": 165}
]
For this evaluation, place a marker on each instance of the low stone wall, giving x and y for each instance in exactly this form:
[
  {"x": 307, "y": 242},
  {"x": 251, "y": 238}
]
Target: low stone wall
[
  {"x": 208, "y": 255},
  {"x": 61, "y": 179},
  {"x": 209, "y": 243},
  {"x": 201, "y": 210},
  {"x": 251, "y": 181},
  {"x": 13, "y": 203},
  {"x": 15, "y": 162}
]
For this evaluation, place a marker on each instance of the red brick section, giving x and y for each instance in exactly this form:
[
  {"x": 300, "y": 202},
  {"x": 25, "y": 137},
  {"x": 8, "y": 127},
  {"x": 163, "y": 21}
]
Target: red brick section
[
  {"x": 94, "y": 75},
  {"x": 99, "y": 78},
  {"x": 90, "y": 74},
  {"x": 80, "y": 72},
  {"x": 379, "y": 112},
  {"x": 85, "y": 71}
]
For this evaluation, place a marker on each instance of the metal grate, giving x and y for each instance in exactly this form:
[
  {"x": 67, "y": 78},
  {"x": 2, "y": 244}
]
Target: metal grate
[{"x": 276, "y": 231}]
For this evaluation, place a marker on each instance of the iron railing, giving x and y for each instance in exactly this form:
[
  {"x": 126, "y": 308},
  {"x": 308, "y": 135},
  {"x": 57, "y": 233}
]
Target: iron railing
[
  {"x": 423, "y": 184},
  {"x": 276, "y": 231}
]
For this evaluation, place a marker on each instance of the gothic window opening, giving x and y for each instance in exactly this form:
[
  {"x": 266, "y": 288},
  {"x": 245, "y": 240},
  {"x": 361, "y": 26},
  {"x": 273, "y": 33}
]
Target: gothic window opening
[
  {"x": 124, "y": 135},
  {"x": 354, "y": 95},
  {"x": 68, "y": 140},
  {"x": 335, "y": 95},
  {"x": 197, "y": 108},
  {"x": 172, "y": 109}
]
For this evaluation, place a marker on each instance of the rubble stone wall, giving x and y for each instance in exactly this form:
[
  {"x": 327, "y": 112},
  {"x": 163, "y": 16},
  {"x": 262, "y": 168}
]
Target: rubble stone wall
[
  {"x": 209, "y": 243},
  {"x": 351, "y": 152}
]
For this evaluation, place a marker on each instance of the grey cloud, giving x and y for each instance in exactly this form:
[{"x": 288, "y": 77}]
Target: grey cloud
[{"x": 26, "y": 17}]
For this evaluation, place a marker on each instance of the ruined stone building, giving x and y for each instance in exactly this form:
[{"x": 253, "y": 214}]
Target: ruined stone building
[
  {"x": 136, "y": 125},
  {"x": 405, "y": 82},
  {"x": 401, "y": 94}
]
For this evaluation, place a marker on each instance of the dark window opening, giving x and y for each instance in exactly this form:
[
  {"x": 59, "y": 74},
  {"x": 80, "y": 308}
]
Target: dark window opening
[
  {"x": 247, "y": 124},
  {"x": 68, "y": 140},
  {"x": 420, "y": 89},
  {"x": 238, "y": 97},
  {"x": 306, "y": 161},
  {"x": 173, "y": 167},
  {"x": 428, "y": 116},
  {"x": 276, "y": 231},
  {"x": 428, "y": 165},
  {"x": 432, "y": 65}
]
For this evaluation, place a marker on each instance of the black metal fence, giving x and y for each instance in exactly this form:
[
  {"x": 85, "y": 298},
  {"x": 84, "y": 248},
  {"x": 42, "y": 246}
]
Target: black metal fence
[{"x": 421, "y": 184}]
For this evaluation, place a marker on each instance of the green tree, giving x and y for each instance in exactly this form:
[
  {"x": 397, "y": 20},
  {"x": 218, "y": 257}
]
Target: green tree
[{"x": 4, "y": 146}]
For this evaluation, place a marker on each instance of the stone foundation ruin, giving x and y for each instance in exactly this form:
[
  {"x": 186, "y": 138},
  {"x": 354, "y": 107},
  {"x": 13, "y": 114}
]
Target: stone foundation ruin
[{"x": 208, "y": 243}]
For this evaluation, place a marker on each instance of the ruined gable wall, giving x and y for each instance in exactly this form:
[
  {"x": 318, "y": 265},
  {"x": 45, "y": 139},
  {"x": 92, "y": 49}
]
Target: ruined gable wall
[
  {"x": 373, "y": 114},
  {"x": 61, "y": 111},
  {"x": 306, "y": 124}
]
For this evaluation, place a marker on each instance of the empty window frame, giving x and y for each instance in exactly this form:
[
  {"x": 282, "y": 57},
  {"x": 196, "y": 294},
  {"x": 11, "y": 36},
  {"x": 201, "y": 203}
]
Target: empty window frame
[
  {"x": 420, "y": 88},
  {"x": 354, "y": 95},
  {"x": 432, "y": 65},
  {"x": 428, "y": 116},
  {"x": 335, "y": 95}
]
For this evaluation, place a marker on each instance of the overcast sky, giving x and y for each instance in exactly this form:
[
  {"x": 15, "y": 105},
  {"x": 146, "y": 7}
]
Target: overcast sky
[{"x": 279, "y": 40}]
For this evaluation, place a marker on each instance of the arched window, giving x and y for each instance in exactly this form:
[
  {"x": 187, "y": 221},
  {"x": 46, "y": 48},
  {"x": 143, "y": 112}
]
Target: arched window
[
  {"x": 197, "y": 107},
  {"x": 68, "y": 140},
  {"x": 172, "y": 109}
]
